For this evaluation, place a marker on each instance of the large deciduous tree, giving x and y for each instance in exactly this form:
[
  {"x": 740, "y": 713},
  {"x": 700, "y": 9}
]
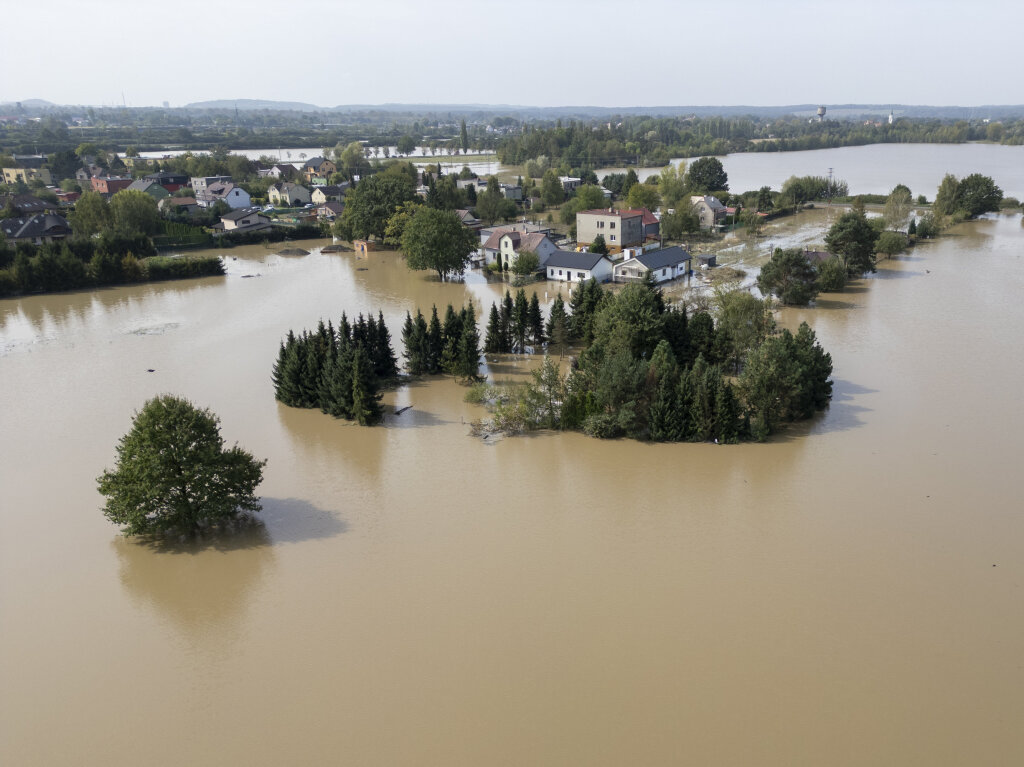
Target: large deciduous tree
[
  {"x": 90, "y": 216},
  {"x": 853, "y": 238},
  {"x": 705, "y": 175},
  {"x": 436, "y": 239},
  {"x": 173, "y": 473},
  {"x": 374, "y": 200},
  {"x": 789, "y": 276},
  {"x": 133, "y": 212}
]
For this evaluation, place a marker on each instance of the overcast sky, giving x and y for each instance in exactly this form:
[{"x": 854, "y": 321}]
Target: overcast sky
[{"x": 527, "y": 52}]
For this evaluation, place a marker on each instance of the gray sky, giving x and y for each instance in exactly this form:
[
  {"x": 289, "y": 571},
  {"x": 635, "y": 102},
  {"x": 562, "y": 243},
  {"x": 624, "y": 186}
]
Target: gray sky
[{"x": 530, "y": 52}]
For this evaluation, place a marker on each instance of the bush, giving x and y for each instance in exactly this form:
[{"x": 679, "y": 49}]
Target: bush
[
  {"x": 166, "y": 268},
  {"x": 891, "y": 243},
  {"x": 832, "y": 275}
]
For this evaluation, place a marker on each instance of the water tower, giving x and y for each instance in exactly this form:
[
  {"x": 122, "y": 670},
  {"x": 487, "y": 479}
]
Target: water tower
[{"x": 821, "y": 113}]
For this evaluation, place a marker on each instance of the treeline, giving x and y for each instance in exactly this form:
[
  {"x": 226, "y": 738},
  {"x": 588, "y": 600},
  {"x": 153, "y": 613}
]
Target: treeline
[
  {"x": 108, "y": 260},
  {"x": 339, "y": 371},
  {"x": 451, "y": 347},
  {"x": 654, "y": 141},
  {"x": 648, "y": 371}
]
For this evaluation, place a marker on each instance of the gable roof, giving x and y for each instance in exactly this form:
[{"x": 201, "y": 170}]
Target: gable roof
[
  {"x": 708, "y": 199},
  {"x": 314, "y": 163},
  {"x": 494, "y": 241},
  {"x": 26, "y": 204},
  {"x": 648, "y": 217},
  {"x": 658, "y": 259},
  {"x": 531, "y": 241},
  {"x": 39, "y": 225},
  {"x": 141, "y": 185},
  {"x": 570, "y": 259}
]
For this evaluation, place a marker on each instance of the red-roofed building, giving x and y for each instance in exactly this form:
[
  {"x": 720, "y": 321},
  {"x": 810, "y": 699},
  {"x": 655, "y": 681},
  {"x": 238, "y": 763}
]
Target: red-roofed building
[
  {"x": 651, "y": 224},
  {"x": 110, "y": 184}
]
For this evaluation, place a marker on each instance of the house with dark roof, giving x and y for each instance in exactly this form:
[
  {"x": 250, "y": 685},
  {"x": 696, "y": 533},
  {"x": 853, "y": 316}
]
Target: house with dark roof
[
  {"x": 329, "y": 193},
  {"x": 171, "y": 205},
  {"x": 620, "y": 228},
  {"x": 152, "y": 188},
  {"x": 234, "y": 196},
  {"x": 37, "y": 229},
  {"x": 172, "y": 182},
  {"x": 711, "y": 211},
  {"x": 201, "y": 183},
  {"x": 318, "y": 168},
  {"x": 578, "y": 266},
  {"x": 26, "y": 204},
  {"x": 663, "y": 265},
  {"x": 244, "y": 220},
  {"x": 329, "y": 210}
]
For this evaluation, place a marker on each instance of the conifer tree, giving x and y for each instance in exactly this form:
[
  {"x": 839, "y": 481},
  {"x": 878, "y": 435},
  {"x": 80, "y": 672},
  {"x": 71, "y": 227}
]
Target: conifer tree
[
  {"x": 469, "y": 347},
  {"x": 409, "y": 343},
  {"x": 423, "y": 343},
  {"x": 435, "y": 343},
  {"x": 727, "y": 415},
  {"x": 520, "y": 322},
  {"x": 507, "y": 310},
  {"x": 385, "y": 365},
  {"x": 366, "y": 408},
  {"x": 492, "y": 339},
  {"x": 451, "y": 334},
  {"x": 558, "y": 325},
  {"x": 536, "y": 321},
  {"x": 337, "y": 385},
  {"x": 702, "y": 404}
]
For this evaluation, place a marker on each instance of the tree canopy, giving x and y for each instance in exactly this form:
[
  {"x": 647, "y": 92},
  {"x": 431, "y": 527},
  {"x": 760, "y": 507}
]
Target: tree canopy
[
  {"x": 789, "y": 276},
  {"x": 706, "y": 175},
  {"x": 173, "y": 473},
  {"x": 373, "y": 201},
  {"x": 853, "y": 238},
  {"x": 436, "y": 239}
]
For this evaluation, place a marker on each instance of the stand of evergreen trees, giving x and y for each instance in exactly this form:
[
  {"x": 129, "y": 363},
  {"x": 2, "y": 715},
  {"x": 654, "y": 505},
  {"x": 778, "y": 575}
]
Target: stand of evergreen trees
[
  {"x": 648, "y": 371},
  {"x": 516, "y": 325},
  {"x": 451, "y": 347},
  {"x": 341, "y": 371}
]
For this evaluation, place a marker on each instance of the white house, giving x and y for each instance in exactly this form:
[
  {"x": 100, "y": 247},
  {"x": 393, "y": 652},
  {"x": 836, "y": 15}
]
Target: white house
[
  {"x": 571, "y": 266},
  {"x": 664, "y": 265},
  {"x": 504, "y": 248},
  {"x": 289, "y": 194},
  {"x": 245, "y": 220}
]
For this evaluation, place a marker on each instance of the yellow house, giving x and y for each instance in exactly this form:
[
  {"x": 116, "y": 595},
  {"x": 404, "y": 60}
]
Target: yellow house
[{"x": 14, "y": 175}]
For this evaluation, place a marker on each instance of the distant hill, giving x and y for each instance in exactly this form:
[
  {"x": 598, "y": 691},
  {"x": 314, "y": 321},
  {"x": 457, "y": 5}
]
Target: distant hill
[
  {"x": 256, "y": 104},
  {"x": 28, "y": 104}
]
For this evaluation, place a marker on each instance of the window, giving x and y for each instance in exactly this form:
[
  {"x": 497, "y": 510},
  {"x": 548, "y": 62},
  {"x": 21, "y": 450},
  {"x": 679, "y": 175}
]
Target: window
[
  {"x": 600, "y": 224},
  {"x": 611, "y": 224},
  {"x": 559, "y": 272},
  {"x": 581, "y": 275},
  {"x": 611, "y": 237}
]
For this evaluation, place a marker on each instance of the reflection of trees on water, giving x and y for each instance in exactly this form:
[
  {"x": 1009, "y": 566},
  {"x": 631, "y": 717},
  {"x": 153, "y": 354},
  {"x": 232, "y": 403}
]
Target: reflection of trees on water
[
  {"x": 324, "y": 443},
  {"x": 204, "y": 584}
]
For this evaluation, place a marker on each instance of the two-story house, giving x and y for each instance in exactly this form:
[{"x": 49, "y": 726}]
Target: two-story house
[
  {"x": 503, "y": 248},
  {"x": 287, "y": 194},
  {"x": 710, "y": 210},
  {"x": 663, "y": 265},
  {"x": 620, "y": 228},
  {"x": 318, "y": 168}
]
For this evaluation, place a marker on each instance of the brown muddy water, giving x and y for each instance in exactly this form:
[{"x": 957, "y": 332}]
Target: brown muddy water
[{"x": 848, "y": 594}]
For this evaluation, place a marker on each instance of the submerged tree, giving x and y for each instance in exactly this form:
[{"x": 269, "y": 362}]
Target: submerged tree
[{"x": 173, "y": 474}]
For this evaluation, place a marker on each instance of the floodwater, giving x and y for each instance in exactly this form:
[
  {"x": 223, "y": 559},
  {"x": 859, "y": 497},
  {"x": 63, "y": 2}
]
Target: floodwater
[
  {"x": 871, "y": 169},
  {"x": 847, "y": 594}
]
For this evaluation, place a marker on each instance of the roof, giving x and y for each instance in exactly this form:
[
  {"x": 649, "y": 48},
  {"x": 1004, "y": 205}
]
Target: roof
[
  {"x": 334, "y": 207},
  {"x": 532, "y": 240},
  {"x": 708, "y": 199},
  {"x": 609, "y": 212},
  {"x": 330, "y": 189},
  {"x": 570, "y": 259},
  {"x": 178, "y": 201},
  {"x": 315, "y": 163},
  {"x": 649, "y": 218},
  {"x": 141, "y": 185},
  {"x": 26, "y": 204},
  {"x": 658, "y": 259},
  {"x": 494, "y": 241},
  {"x": 241, "y": 213},
  {"x": 39, "y": 225},
  {"x": 166, "y": 176}
]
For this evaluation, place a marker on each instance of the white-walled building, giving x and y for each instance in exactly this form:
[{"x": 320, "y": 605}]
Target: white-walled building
[{"x": 573, "y": 266}]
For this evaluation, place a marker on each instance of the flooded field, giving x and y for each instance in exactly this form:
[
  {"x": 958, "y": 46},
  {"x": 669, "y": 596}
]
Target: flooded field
[{"x": 846, "y": 594}]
